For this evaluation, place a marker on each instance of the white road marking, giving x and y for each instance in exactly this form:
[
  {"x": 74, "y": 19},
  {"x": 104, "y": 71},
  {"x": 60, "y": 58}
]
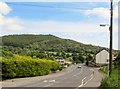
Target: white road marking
[
  {"x": 82, "y": 83},
  {"x": 92, "y": 75},
  {"x": 90, "y": 79},
  {"x": 51, "y": 80},
  {"x": 45, "y": 81}
]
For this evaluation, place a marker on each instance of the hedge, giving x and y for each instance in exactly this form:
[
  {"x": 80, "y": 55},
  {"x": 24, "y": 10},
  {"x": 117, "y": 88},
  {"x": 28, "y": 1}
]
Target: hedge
[{"x": 24, "y": 66}]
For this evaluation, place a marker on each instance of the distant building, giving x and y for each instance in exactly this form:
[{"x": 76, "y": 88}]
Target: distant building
[
  {"x": 62, "y": 61},
  {"x": 102, "y": 57},
  {"x": 68, "y": 62}
]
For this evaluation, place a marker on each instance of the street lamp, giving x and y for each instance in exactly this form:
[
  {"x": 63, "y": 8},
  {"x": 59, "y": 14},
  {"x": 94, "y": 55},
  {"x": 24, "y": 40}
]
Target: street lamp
[
  {"x": 111, "y": 34},
  {"x": 104, "y": 25}
]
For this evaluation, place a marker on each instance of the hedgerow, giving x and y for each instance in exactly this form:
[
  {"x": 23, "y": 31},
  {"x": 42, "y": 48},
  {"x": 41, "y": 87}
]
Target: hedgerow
[
  {"x": 24, "y": 66},
  {"x": 111, "y": 81}
]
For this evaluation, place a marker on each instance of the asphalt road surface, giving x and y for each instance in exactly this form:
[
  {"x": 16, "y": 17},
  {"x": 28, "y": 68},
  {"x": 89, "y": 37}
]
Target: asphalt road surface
[{"x": 71, "y": 77}]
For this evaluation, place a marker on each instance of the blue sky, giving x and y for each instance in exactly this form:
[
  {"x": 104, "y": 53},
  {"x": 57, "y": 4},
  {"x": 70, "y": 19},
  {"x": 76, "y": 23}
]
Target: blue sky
[
  {"x": 52, "y": 10},
  {"x": 72, "y": 20}
]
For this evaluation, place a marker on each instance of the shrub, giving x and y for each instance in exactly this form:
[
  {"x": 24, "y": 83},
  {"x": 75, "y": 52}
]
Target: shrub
[
  {"x": 54, "y": 66},
  {"x": 104, "y": 69},
  {"x": 111, "y": 81},
  {"x": 61, "y": 67},
  {"x": 24, "y": 66}
]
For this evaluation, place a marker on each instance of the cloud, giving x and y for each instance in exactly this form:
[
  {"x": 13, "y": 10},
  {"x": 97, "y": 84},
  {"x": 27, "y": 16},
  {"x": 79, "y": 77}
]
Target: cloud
[
  {"x": 15, "y": 24},
  {"x": 9, "y": 23},
  {"x": 12, "y": 24},
  {"x": 56, "y": 26},
  {"x": 4, "y": 8},
  {"x": 102, "y": 12}
]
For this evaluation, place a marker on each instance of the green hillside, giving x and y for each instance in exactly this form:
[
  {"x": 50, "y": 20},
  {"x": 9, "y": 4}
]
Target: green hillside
[
  {"x": 44, "y": 46},
  {"x": 47, "y": 42}
]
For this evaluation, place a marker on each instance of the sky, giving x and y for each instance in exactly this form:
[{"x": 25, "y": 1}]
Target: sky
[{"x": 71, "y": 20}]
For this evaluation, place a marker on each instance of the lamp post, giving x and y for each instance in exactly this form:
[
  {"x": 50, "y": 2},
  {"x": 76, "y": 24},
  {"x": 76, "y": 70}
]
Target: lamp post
[
  {"x": 111, "y": 34},
  {"x": 104, "y": 25}
]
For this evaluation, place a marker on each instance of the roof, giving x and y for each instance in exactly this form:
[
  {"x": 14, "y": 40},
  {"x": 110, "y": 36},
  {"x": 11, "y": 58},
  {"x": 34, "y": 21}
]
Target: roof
[{"x": 102, "y": 50}]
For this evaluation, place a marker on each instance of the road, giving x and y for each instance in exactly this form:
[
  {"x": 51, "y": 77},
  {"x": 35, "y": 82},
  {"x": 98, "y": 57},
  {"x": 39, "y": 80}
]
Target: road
[{"x": 71, "y": 77}]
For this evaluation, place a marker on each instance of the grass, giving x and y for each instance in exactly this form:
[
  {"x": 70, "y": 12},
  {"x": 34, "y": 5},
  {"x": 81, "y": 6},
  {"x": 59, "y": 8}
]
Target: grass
[
  {"x": 111, "y": 82},
  {"x": 104, "y": 69}
]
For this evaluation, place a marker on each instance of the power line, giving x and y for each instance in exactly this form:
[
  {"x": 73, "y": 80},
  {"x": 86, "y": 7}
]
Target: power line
[{"x": 51, "y": 7}]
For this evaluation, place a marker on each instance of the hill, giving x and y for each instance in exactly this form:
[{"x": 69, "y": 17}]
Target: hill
[{"x": 46, "y": 45}]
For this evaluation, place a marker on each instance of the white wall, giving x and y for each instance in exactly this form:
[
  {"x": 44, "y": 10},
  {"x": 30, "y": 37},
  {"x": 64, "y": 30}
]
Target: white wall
[{"x": 102, "y": 57}]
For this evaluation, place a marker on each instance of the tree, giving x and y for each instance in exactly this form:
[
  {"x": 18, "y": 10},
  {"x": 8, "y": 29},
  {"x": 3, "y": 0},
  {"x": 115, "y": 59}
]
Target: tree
[
  {"x": 76, "y": 58},
  {"x": 68, "y": 55},
  {"x": 63, "y": 54},
  {"x": 87, "y": 62},
  {"x": 81, "y": 58},
  {"x": 117, "y": 61},
  {"x": 58, "y": 54},
  {"x": 89, "y": 57}
]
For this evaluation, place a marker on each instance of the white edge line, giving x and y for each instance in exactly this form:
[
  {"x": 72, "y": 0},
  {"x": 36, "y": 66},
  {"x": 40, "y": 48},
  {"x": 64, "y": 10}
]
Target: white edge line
[
  {"x": 82, "y": 82},
  {"x": 92, "y": 75},
  {"x": 90, "y": 79}
]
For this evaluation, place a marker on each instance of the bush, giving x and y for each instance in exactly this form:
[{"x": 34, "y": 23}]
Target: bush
[
  {"x": 24, "y": 66},
  {"x": 111, "y": 82},
  {"x": 55, "y": 66},
  {"x": 104, "y": 69},
  {"x": 61, "y": 67},
  {"x": 6, "y": 54}
]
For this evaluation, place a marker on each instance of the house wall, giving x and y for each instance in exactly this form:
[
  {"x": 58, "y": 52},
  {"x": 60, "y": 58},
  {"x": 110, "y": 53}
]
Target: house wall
[{"x": 102, "y": 57}]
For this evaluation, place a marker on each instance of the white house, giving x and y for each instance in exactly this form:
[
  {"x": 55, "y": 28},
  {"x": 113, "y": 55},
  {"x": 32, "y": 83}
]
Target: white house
[{"x": 102, "y": 57}]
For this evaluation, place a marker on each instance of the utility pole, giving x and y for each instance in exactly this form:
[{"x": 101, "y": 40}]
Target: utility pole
[{"x": 111, "y": 34}]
